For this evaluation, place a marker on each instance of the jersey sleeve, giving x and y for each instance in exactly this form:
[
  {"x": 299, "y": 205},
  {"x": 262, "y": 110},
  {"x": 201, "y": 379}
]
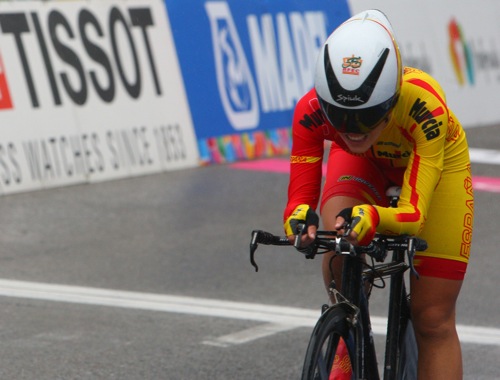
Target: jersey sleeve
[
  {"x": 306, "y": 157},
  {"x": 425, "y": 122}
]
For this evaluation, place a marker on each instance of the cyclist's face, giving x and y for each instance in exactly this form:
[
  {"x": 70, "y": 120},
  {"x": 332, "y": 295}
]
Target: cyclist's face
[{"x": 360, "y": 143}]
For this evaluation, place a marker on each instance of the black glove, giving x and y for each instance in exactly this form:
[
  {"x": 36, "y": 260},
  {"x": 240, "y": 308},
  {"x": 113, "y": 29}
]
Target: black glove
[{"x": 303, "y": 214}]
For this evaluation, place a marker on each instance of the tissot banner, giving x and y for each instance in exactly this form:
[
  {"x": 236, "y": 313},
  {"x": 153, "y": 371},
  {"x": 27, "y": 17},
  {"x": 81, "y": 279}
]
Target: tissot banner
[{"x": 89, "y": 90}]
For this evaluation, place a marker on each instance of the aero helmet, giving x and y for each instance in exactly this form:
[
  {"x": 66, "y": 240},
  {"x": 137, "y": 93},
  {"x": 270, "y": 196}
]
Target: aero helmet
[{"x": 358, "y": 73}]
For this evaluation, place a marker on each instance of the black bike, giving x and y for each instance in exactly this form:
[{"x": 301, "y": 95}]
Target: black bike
[{"x": 348, "y": 319}]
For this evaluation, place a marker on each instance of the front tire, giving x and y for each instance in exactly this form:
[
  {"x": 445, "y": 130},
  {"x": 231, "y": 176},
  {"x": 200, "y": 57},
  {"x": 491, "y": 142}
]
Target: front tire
[{"x": 331, "y": 329}]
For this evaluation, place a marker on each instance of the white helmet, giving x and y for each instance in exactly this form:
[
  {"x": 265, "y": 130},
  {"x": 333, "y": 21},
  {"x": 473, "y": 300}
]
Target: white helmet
[{"x": 358, "y": 73}]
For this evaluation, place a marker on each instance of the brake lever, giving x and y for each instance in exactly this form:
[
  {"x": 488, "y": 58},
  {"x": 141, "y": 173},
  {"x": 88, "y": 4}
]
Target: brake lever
[
  {"x": 301, "y": 227},
  {"x": 347, "y": 228},
  {"x": 411, "y": 255},
  {"x": 253, "y": 248}
]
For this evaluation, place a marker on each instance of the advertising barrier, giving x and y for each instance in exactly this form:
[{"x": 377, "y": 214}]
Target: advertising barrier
[
  {"x": 457, "y": 42},
  {"x": 245, "y": 64},
  {"x": 92, "y": 90},
  {"x": 89, "y": 91}
]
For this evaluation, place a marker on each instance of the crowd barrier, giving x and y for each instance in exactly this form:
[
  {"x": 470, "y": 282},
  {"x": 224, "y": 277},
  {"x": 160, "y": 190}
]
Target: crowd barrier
[
  {"x": 246, "y": 63},
  {"x": 456, "y": 41},
  {"x": 89, "y": 91},
  {"x": 92, "y": 90}
]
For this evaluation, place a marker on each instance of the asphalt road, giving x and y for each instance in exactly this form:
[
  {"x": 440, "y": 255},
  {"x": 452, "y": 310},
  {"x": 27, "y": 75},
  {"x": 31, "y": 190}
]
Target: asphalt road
[{"x": 149, "y": 278}]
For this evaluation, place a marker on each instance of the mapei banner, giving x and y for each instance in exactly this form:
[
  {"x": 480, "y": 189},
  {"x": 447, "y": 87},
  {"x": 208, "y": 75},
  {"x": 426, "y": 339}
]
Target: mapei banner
[
  {"x": 245, "y": 64},
  {"x": 89, "y": 90}
]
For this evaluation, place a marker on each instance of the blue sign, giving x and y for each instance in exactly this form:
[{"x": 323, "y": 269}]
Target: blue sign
[{"x": 246, "y": 63}]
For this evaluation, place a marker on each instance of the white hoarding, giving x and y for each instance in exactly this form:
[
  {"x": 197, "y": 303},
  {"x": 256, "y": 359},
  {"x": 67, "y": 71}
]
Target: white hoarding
[
  {"x": 89, "y": 91},
  {"x": 456, "y": 41}
]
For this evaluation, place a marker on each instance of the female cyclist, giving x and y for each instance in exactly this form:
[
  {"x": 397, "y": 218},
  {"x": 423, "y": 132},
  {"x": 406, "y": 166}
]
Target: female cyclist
[{"x": 387, "y": 125}]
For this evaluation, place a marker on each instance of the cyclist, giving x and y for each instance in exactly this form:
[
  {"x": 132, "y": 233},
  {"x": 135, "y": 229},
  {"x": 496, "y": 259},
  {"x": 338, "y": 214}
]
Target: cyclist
[{"x": 387, "y": 125}]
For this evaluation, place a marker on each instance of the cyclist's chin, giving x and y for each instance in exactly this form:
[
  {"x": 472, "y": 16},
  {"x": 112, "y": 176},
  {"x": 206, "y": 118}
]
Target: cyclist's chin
[{"x": 357, "y": 143}]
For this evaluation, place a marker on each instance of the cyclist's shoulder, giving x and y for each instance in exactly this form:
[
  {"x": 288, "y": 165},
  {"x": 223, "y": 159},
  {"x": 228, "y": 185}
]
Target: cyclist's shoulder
[
  {"x": 420, "y": 95},
  {"x": 420, "y": 83},
  {"x": 413, "y": 72},
  {"x": 308, "y": 117},
  {"x": 308, "y": 102}
]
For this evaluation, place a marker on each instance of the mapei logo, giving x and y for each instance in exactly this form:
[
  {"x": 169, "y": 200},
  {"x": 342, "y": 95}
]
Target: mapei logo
[
  {"x": 273, "y": 70},
  {"x": 234, "y": 79},
  {"x": 351, "y": 65},
  {"x": 461, "y": 54}
]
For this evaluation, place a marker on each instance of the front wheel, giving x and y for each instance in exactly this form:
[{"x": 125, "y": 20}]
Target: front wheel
[{"x": 330, "y": 354}]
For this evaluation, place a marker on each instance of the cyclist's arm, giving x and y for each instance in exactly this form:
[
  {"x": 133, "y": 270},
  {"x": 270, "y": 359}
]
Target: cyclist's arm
[
  {"x": 306, "y": 158},
  {"x": 428, "y": 138}
]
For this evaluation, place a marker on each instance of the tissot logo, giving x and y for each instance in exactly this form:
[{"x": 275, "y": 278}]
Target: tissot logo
[
  {"x": 82, "y": 54},
  {"x": 94, "y": 91}
]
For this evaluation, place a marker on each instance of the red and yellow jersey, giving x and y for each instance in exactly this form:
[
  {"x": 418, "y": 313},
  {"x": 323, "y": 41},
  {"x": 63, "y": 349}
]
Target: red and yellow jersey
[{"x": 422, "y": 140}]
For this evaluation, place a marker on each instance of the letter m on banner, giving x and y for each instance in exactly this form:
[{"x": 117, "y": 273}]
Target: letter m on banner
[{"x": 5, "y": 100}]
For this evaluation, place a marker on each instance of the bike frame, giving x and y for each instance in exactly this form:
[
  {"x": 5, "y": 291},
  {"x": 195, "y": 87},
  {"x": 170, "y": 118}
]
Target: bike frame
[
  {"x": 353, "y": 291},
  {"x": 399, "y": 314}
]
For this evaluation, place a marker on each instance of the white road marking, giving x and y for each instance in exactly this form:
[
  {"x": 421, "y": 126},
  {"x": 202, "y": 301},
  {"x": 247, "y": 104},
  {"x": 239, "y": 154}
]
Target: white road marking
[
  {"x": 484, "y": 156},
  {"x": 248, "y": 335},
  {"x": 276, "y": 318}
]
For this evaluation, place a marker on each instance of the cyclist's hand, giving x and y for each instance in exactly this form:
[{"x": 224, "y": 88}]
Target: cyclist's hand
[
  {"x": 303, "y": 214},
  {"x": 363, "y": 221}
]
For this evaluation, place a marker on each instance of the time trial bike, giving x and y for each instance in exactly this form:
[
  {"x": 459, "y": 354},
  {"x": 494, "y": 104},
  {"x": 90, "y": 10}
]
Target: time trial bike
[{"x": 346, "y": 322}]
